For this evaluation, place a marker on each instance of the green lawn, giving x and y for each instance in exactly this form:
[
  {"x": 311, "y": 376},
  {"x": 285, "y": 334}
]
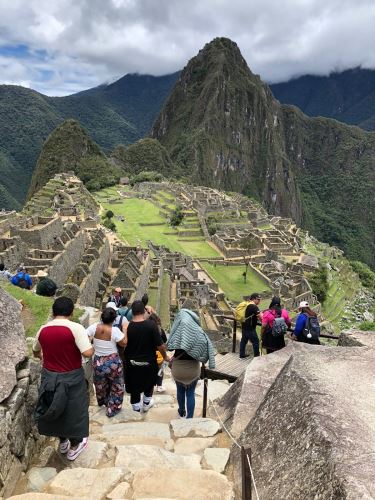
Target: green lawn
[
  {"x": 231, "y": 281},
  {"x": 37, "y": 309},
  {"x": 138, "y": 211}
]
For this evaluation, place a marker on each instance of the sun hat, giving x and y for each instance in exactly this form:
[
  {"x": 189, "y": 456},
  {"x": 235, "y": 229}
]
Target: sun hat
[
  {"x": 303, "y": 304},
  {"x": 112, "y": 305}
]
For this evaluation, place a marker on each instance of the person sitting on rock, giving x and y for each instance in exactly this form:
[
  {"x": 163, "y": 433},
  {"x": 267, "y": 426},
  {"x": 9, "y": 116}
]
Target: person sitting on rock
[
  {"x": 141, "y": 368},
  {"x": 107, "y": 364},
  {"x": 62, "y": 406},
  {"x": 272, "y": 340},
  {"x": 22, "y": 279}
]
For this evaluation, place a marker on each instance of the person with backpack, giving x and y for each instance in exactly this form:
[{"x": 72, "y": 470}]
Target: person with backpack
[
  {"x": 22, "y": 279},
  {"x": 4, "y": 273},
  {"x": 249, "y": 315},
  {"x": 275, "y": 323},
  {"x": 116, "y": 296},
  {"x": 307, "y": 327}
]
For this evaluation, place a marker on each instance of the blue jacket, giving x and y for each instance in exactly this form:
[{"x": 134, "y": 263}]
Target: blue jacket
[
  {"x": 300, "y": 324},
  {"x": 19, "y": 276}
]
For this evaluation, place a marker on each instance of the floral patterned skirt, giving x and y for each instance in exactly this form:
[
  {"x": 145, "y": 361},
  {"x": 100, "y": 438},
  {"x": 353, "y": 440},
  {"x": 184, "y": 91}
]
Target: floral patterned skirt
[{"x": 109, "y": 382}]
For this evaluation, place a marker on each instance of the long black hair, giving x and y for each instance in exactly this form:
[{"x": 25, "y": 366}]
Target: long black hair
[{"x": 275, "y": 304}]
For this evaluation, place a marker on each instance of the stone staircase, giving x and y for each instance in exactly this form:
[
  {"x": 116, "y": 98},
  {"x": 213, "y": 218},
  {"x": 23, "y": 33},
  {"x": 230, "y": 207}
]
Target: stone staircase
[{"x": 155, "y": 455}]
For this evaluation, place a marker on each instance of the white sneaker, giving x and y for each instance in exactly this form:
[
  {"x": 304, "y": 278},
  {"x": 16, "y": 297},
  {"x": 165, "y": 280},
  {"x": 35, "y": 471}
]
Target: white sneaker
[
  {"x": 73, "y": 454},
  {"x": 64, "y": 446},
  {"x": 146, "y": 407},
  {"x": 160, "y": 388}
]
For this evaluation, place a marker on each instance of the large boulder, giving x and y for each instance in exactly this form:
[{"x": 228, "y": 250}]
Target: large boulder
[
  {"x": 313, "y": 435},
  {"x": 13, "y": 341},
  {"x": 350, "y": 338}
]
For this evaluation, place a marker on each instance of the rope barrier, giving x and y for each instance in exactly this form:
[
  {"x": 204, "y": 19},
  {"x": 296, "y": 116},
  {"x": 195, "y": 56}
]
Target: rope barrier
[{"x": 232, "y": 438}]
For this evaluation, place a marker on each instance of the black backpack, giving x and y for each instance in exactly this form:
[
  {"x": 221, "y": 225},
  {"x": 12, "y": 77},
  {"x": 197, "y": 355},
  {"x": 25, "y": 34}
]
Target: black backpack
[
  {"x": 312, "y": 328},
  {"x": 279, "y": 327}
]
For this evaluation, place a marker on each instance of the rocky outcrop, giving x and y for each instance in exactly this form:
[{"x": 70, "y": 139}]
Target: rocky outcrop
[
  {"x": 18, "y": 392},
  {"x": 310, "y": 422},
  {"x": 350, "y": 338}
]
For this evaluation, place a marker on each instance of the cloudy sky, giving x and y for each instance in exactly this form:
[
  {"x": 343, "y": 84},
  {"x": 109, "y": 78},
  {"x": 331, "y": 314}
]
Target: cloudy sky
[{"x": 64, "y": 46}]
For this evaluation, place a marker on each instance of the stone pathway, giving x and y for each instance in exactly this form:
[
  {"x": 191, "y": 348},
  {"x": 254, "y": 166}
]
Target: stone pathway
[{"x": 140, "y": 456}]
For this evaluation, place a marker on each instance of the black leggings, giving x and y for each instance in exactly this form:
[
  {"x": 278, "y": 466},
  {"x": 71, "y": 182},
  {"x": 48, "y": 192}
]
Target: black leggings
[
  {"x": 73, "y": 441},
  {"x": 135, "y": 397}
]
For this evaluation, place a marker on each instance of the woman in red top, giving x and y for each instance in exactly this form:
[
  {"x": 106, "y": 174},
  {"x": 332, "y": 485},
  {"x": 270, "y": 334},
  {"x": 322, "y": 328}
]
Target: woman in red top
[{"x": 269, "y": 341}]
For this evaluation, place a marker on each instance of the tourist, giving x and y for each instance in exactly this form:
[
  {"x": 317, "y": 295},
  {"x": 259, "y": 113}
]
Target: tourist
[
  {"x": 159, "y": 357},
  {"x": 148, "y": 309},
  {"x": 107, "y": 365},
  {"x": 120, "y": 321},
  {"x": 4, "y": 273},
  {"x": 273, "y": 333},
  {"x": 143, "y": 340},
  {"x": 22, "y": 279},
  {"x": 307, "y": 327},
  {"x": 249, "y": 333},
  {"x": 62, "y": 407},
  {"x": 123, "y": 309},
  {"x": 192, "y": 347},
  {"x": 116, "y": 296}
]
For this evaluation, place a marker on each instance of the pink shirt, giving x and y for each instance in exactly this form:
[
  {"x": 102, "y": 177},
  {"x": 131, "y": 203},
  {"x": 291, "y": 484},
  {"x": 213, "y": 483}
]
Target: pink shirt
[{"x": 269, "y": 316}]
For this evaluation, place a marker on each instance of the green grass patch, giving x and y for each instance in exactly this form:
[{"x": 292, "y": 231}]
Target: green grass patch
[
  {"x": 137, "y": 211},
  {"x": 37, "y": 309},
  {"x": 231, "y": 281}
]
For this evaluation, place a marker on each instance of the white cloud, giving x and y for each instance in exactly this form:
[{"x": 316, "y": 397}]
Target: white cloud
[{"x": 89, "y": 41}]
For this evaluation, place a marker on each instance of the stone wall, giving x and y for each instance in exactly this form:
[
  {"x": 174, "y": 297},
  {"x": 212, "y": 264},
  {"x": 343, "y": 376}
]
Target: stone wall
[
  {"x": 63, "y": 263},
  {"x": 19, "y": 378},
  {"x": 90, "y": 285},
  {"x": 40, "y": 235}
]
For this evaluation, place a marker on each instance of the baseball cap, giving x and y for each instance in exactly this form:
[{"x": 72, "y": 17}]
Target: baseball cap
[
  {"x": 112, "y": 305},
  {"x": 303, "y": 304}
]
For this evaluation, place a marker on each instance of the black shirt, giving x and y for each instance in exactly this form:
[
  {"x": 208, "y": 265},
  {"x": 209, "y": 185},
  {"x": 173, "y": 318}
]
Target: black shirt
[
  {"x": 251, "y": 313},
  {"x": 143, "y": 339}
]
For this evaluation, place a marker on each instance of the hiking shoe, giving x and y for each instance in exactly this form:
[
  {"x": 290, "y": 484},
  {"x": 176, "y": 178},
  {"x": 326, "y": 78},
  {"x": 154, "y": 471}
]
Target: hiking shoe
[
  {"x": 181, "y": 413},
  {"x": 73, "y": 454},
  {"x": 136, "y": 407},
  {"x": 147, "y": 406},
  {"x": 160, "y": 388},
  {"x": 64, "y": 446}
]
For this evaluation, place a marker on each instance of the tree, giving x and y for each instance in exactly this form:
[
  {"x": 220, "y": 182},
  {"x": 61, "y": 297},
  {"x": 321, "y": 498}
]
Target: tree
[
  {"x": 176, "y": 217},
  {"x": 109, "y": 214}
]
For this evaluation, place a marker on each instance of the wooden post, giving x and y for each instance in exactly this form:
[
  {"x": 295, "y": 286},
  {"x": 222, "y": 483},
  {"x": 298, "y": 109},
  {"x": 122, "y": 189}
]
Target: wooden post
[
  {"x": 245, "y": 472},
  {"x": 234, "y": 339},
  {"x": 205, "y": 383}
]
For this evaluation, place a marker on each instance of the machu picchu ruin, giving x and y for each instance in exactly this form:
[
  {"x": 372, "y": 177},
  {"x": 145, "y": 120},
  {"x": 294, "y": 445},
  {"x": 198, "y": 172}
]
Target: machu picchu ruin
[{"x": 224, "y": 247}]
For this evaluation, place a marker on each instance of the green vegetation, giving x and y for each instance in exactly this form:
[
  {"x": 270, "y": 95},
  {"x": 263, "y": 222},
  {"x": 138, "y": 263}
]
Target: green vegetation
[
  {"x": 231, "y": 281},
  {"x": 319, "y": 283},
  {"x": 69, "y": 148},
  {"x": 347, "y": 96},
  {"x": 365, "y": 274},
  {"x": 37, "y": 309},
  {"x": 137, "y": 212},
  {"x": 145, "y": 155},
  {"x": 176, "y": 217},
  {"x": 122, "y": 112},
  {"x": 367, "y": 326}
]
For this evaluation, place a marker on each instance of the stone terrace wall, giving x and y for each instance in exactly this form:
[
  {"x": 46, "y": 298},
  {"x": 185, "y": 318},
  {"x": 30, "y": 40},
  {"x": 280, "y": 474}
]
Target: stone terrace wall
[
  {"x": 63, "y": 263},
  {"x": 18, "y": 393},
  {"x": 40, "y": 235}
]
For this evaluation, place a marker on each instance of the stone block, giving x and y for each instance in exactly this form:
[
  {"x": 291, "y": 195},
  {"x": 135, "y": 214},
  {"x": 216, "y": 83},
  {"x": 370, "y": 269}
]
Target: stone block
[
  {"x": 144, "y": 429},
  {"x": 126, "y": 440},
  {"x": 20, "y": 426},
  {"x": 120, "y": 492},
  {"x": 45, "y": 496},
  {"x": 133, "y": 458},
  {"x": 181, "y": 484},
  {"x": 216, "y": 459},
  {"x": 125, "y": 415},
  {"x": 93, "y": 456},
  {"x": 37, "y": 477},
  {"x": 196, "y": 445},
  {"x": 85, "y": 482},
  {"x": 190, "y": 427}
]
